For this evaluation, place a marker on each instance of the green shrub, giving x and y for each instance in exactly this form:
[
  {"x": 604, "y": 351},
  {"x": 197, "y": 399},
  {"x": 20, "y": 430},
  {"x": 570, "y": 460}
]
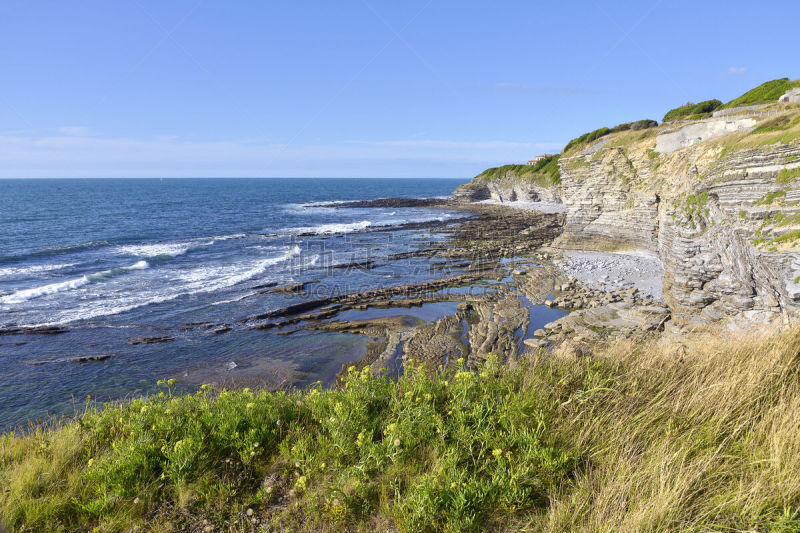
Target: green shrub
[
  {"x": 692, "y": 110},
  {"x": 431, "y": 451},
  {"x": 635, "y": 126}
]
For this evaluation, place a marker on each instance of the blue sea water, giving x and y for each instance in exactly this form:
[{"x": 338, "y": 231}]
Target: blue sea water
[{"x": 115, "y": 260}]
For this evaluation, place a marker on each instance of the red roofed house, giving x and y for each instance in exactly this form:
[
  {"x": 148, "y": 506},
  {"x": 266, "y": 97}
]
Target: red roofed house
[{"x": 539, "y": 158}]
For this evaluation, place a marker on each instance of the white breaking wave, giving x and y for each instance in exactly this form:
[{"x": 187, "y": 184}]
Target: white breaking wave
[
  {"x": 155, "y": 250},
  {"x": 35, "y": 292},
  {"x": 195, "y": 281},
  {"x": 172, "y": 249},
  {"x": 330, "y": 229},
  {"x": 34, "y": 269},
  {"x": 228, "y": 237}
]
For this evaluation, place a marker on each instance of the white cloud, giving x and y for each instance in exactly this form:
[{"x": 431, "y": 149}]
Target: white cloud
[{"x": 737, "y": 71}]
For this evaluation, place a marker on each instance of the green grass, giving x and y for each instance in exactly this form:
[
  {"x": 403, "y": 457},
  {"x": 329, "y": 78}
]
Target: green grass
[
  {"x": 587, "y": 138},
  {"x": 545, "y": 172},
  {"x": 692, "y": 110},
  {"x": 602, "y": 132},
  {"x": 771, "y": 197},
  {"x": 791, "y": 236},
  {"x": 779, "y": 123},
  {"x": 787, "y": 175},
  {"x": 768, "y": 92}
]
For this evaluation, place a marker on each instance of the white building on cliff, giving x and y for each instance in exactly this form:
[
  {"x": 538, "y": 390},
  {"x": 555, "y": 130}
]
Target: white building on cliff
[{"x": 792, "y": 96}]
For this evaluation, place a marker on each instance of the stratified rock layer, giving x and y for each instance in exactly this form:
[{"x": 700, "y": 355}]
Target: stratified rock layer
[{"x": 724, "y": 222}]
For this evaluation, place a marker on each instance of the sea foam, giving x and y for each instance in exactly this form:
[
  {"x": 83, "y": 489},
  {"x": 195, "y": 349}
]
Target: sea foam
[{"x": 52, "y": 288}]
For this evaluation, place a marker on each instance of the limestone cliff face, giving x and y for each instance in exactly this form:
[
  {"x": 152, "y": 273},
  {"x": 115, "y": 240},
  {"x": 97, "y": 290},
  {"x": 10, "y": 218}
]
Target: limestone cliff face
[
  {"x": 729, "y": 250},
  {"x": 607, "y": 207},
  {"x": 723, "y": 215}
]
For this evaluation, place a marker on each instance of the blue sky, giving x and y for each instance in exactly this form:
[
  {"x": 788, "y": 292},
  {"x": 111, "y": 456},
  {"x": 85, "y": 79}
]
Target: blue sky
[{"x": 357, "y": 88}]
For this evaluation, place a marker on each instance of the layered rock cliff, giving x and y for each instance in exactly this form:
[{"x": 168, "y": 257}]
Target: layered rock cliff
[{"x": 721, "y": 211}]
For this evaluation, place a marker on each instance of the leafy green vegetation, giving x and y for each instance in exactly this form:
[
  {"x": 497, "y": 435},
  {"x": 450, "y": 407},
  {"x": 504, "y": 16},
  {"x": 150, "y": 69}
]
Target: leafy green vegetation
[
  {"x": 782, "y": 220},
  {"x": 428, "y": 452},
  {"x": 623, "y": 438},
  {"x": 768, "y": 92},
  {"x": 692, "y": 110},
  {"x": 696, "y": 204},
  {"x": 602, "y": 132},
  {"x": 544, "y": 172}
]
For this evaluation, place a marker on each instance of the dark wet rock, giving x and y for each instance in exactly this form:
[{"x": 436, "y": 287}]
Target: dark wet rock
[
  {"x": 265, "y": 285},
  {"x": 294, "y": 309},
  {"x": 358, "y": 265},
  {"x": 371, "y": 326},
  {"x": 319, "y": 315},
  {"x": 421, "y": 225},
  {"x": 81, "y": 360},
  {"x": 150, "y": 340},
  {"x": 426, "y": 252},
  {"x": 293, "y": 288},
  {"x": 41, "y": 330}
]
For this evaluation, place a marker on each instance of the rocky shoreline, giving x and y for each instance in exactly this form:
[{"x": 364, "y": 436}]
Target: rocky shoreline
[
  {"x": 506, "y": 284},
  {"x": 501, "y": 288}
]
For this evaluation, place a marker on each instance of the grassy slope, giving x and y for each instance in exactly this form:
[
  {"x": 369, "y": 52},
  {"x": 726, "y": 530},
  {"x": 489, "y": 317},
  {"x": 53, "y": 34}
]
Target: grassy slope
[
  {"x": 544, "y": 173},
  {"x": 767, "y": 92},
  {"x": 635, "y": 437}
]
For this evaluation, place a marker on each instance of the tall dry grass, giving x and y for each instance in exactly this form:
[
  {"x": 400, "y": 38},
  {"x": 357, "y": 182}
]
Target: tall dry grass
[{"x": 701, "y": 439}]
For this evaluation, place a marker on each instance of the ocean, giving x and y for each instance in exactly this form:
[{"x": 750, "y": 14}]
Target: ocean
[{"x": 112, "y": 261}]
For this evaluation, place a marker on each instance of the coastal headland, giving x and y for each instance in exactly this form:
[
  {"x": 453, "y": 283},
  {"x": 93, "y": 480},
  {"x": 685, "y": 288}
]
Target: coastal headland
[{"x": 609, "y": 343}]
